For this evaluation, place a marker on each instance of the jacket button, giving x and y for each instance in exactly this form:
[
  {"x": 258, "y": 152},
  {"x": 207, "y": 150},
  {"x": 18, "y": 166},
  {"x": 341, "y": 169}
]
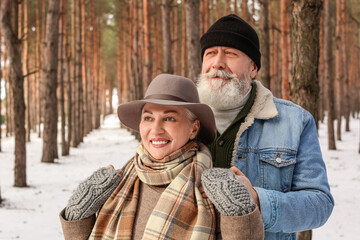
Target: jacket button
[
  {"x": 278, "y": 160},
  {"x": 221, "y": 142}
]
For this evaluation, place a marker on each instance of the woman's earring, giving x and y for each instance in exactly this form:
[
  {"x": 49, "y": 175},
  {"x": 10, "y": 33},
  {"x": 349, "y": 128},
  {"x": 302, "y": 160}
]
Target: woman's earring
[{"x": 191, "y": 137}]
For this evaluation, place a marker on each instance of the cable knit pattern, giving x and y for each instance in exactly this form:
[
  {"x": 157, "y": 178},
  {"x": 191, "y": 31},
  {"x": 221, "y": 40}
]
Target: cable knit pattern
[
  {"x": 225, "y": 190},
  {"x": 92, "y": 193}
]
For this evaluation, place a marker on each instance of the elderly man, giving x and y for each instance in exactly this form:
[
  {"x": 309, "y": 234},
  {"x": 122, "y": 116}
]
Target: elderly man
[{"x": 271, "y": 144}]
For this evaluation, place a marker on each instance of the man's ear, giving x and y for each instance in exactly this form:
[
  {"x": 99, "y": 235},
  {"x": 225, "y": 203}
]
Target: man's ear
[{"x": 254, "y": 70}]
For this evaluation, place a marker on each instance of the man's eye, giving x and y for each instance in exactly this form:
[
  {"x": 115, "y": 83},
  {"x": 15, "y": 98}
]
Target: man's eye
[
  {"x": 230, "y": 53},
  {"x": 170, "y": 119},
  {"x": 210, "y": 53},
  {"x": 147, "y": 118}
]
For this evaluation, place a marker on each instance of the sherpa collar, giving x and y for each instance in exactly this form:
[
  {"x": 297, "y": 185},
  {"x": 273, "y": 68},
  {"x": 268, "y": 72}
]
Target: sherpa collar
[{"x": 263, "y": 108}]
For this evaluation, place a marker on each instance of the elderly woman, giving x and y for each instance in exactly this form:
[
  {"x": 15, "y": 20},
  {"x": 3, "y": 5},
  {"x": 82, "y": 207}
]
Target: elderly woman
[{"x": 156, "y": 195}]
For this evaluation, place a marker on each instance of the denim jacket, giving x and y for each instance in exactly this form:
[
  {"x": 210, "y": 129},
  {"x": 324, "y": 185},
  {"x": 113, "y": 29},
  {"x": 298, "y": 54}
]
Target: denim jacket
[{"x": 277, "y": 148}]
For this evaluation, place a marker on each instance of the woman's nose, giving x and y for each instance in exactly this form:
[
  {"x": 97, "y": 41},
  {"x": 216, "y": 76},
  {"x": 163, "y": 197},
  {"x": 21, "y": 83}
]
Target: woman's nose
[{"x": 157, "y": 127}]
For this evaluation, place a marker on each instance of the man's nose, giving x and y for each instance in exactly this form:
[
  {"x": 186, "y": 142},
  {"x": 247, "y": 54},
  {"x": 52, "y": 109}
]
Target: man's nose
[{"x": 219, "y": 63}]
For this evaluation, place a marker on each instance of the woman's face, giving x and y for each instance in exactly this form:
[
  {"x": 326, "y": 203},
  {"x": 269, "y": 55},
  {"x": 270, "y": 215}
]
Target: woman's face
[{"x": 165, "y": 129}]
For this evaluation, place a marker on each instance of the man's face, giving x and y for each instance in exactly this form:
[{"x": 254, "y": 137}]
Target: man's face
[
  {"x": 226, "y": 77},
  {"x": 230, "y": 60}
]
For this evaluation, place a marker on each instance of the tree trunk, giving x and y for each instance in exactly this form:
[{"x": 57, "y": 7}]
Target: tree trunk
[
  {"x": 321, "y": 101},
  {"x": 26, "y": 68},
  {"x": 138, "y": 89},
  {"x": 8, "y": 97},
  {"x": 264, "y": 43},
  {"x": 85, "y": 115},
  {"x": 345, "y": 56},
  {"x": 192, "y": 38},
  {"x": 62, "y": 62},
  {"x": 75, "y": 133},
  {"x": 244, "y": 11},
  {"x": 275, "y": 50},
  {"x": 285, "y": 49},
  {"x": 17, "y": 86},
  {"x": 96, "y": 41},
  {"x": 183, "y": 41},
  {"x": 206, "y": 15},
  {"x": 41, "y": 93},
  {"x": 50, "y": 60},
  {"x": 38, "y": 69},
  {"x": 328, "y": 74},
  {"x": 79, "y": 53},
  {"x": 218, "y": 12},
  {"x": 305, "y": 27},
  {"x": 339, "y": 63},
  {"x": 176, "y": 37},
  {"x": 148, "y": 48},
  {"x": 306, "y": 235},
  {"x": 166, "y": 33}
]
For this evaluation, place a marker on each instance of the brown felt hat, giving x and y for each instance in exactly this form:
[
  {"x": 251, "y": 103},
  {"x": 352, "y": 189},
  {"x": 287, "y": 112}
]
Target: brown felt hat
[{"x": 171, "y": 90}]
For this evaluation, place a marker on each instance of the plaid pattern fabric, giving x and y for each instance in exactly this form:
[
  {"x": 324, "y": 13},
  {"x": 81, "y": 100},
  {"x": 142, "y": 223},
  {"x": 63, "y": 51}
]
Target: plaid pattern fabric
[{"x": 180, "y": 213}]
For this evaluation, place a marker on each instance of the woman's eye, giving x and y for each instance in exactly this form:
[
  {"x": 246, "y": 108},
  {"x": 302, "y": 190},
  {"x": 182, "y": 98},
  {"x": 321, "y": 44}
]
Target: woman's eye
[{"x": 147, "y": 118}]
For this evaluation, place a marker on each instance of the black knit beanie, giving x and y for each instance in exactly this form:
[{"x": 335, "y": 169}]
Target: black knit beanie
[{"x": 232, "y": 31}]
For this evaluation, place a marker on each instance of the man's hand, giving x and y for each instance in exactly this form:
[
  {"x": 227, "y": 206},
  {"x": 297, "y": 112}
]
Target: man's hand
[{"x": 247, "y": 183}]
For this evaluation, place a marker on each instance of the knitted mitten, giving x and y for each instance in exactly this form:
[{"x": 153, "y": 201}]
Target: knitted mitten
[
  {"x": 226, "y": 191},
  {"x": 92, "y": 193}
]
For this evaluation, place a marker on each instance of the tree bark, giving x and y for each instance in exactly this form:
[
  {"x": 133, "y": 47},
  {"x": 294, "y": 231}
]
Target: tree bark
[
  {"x": 148, "y": 47},
  {"x": 328, "y": 74},
  {"x": 192, "y": 38},
  {"x": 50, "y": 60},
  {"x": 285, "y": 50},
  {"x": 339, "y": 66},
  {"x": 183, "y": 41},
  {"x": 74, "y": 78},
  {"x": 305, "y": 27},
  {"x": 166, "y": 33},
  {"x": 79, "y": 53},
  {"x": 26, "y": 68},
  {"x": 275, "y": 49},
  {"x": 38, "y": 69},
  {"x": 264, "y": 43},
  {"x": 244, "y": 11},
  {"x": 17, "y": 86},
  {"x": 206, "y": 15},
  {"x": 346, "y": 67},
  {"x": 62, "y": 62}
]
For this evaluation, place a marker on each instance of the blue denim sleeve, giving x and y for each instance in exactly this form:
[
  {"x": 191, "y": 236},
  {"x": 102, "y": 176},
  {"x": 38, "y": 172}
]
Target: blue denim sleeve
[{"x": 309, "y": 203}]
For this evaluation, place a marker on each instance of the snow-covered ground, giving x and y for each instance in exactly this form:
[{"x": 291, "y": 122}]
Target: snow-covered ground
[{"x": 32, "y": 212}]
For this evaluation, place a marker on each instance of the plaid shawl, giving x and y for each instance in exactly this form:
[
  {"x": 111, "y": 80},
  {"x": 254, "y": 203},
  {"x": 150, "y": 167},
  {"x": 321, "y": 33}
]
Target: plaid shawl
[{"x": 180, "y": 213}]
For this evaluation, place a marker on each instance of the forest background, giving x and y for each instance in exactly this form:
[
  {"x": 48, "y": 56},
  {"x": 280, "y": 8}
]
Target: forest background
[{"x": 63, "y": 60}]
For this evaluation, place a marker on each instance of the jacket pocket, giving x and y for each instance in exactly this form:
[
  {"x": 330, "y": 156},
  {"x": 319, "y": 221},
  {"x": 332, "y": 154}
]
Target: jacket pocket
[{"x": 277, "y": 169}]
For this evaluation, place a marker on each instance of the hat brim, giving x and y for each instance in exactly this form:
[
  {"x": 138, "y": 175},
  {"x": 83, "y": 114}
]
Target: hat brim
[{"x": 130, "y": 115}]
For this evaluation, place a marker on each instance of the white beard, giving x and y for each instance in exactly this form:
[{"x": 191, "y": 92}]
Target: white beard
[{"x": 222, "y": 94}]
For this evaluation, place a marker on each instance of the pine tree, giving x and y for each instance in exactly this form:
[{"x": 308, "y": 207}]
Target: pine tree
[
  {"x": 17, "y": 86},
  {"x": 50, "y": 68}
]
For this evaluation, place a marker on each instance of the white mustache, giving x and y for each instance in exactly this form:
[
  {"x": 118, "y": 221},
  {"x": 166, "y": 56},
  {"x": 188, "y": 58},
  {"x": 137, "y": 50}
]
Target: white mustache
[{"x": 219, "y": 73}]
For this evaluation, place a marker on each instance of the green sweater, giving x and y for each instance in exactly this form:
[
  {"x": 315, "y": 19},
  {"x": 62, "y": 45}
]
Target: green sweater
[{"x": 222, "y": 148}]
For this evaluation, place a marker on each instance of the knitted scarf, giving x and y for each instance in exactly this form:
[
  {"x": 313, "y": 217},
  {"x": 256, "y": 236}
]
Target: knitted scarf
[{"x": 180, "y": 213}]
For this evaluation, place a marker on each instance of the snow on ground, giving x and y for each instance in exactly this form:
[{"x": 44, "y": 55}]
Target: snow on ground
[{"x": 32, "y": 212}]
